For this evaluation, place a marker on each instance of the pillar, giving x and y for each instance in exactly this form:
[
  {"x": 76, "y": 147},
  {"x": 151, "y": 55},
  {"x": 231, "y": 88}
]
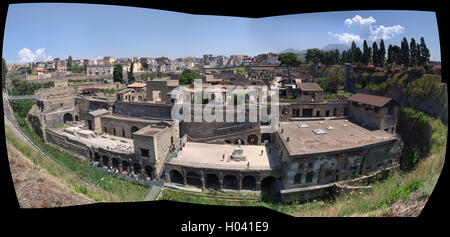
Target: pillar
[{"x": 240, "y": 182}]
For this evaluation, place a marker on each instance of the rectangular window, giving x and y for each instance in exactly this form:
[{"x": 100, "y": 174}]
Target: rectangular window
[
  {"x": 144, "y": 153},
  {"x": 309, "y": 177}
]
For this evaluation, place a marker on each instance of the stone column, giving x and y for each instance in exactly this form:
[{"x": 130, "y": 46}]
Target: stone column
[
  {"x": 258, "y": 185},
  {"x": 240, "y": 182},
  {"x": 184, "y": 176},
  {"x": 202, "y": 175}
]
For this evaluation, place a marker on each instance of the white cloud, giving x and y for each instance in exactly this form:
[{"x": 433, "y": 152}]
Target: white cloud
[
  {"x": 27, "y": 56},
  {"x": 385, "y": 33},
  {"x": 359, "y": 21},
  {"x": 346, "y": 37}
]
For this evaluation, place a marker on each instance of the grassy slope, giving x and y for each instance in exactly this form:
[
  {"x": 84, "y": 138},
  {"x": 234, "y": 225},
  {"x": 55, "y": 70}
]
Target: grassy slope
[{"x": 78, "y": 174}]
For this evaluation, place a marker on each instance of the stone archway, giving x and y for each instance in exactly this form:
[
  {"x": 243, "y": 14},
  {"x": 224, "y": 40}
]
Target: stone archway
[
  {"x": 212, "y": 181},
  {"x": 269, "y": 187},
  {"x": 137, "y": 168},
  {"x": 105, "y": 160},
  {"x": 230, "y": 182},
  {"x": 96, "y": 157},
  {"x": 266, "y": 137},
  {"x": 193, "y": 179},
  {"x": 149, "y": 171},
  {"x": 126, "y": 166},
  {"x": 237, "y": 141},
  {"x": 133, "y": 130},
  {"x": 115, "y": 163},
  {"x": 252, "y": 139},
  {"x": 176, "y": 177},
  {"x": 67, "y": 117},
  {"x": 249, "y": 183}
]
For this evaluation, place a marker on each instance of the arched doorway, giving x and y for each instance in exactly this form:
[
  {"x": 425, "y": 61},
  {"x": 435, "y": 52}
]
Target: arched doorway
[
  {"x": 249, "y": 183},
  {"x": 133, "y": 130},
  {"x": 105, "y": 161},
  {"x": 266, "y": 137},
  {"x": 230, "y": 182},
  {"x": 126, "y": 166},
  {"x": 270, "y": 188},
  {"x": 137, "y": 168},
  {"x": 252, "y": 139},
  {"x": 96, "y": 157},
  {"x": 192, "y": 178},
  {"x": 115, "y": 163},
  {"x": 237, "y": 141},
  {"x": 176, "y": 177},
  {"x": 212, "y": 181},
  {"x": 149, "y": 171},
  {"x": 67, "y": 117}
]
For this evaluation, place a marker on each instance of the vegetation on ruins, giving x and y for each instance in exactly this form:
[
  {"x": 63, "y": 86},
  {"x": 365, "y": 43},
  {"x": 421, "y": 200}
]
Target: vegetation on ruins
[
  {"x": 76, "y": 69},
  {"x": 188, "y": 76},
  {"x": 149, "y": 75},
  {"x": 118, "y": 74},
  {"x": 333, "y": 79},
  {"x": 22, "y": 87}
]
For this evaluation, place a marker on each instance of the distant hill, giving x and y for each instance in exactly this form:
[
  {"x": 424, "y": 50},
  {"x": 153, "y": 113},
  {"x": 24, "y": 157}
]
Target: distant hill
[
  {"x": 340, "y": 47},
  {"x": 296, "y": 51}
]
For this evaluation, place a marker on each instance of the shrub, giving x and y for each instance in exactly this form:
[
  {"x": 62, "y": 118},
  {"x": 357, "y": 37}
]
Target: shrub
[{"x": 437, "y": 70}]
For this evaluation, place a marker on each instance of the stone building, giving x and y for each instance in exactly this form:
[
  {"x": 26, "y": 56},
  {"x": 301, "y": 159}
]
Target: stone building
[
  {"x": 99, "y": 69},
  {"x": 133, "y": 92},
  {"x": 158, "y": 90},
  {"x": 375, "y": 112}
]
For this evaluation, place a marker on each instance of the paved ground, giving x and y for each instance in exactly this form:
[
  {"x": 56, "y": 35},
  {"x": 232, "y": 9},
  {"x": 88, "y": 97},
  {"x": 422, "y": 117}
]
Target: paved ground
[{"x": 210, "y": 156}]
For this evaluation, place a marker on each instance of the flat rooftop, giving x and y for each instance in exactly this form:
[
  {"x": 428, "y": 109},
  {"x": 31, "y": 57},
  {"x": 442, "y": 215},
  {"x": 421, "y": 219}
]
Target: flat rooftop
[
  {"x": 107, "y": 142},
  {"x": 203, "y": 155},
  {"x": 343, "y": 135}
]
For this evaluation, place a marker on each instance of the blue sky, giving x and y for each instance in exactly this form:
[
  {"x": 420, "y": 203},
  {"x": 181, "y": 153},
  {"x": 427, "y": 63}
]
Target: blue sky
[{"x": 40, "y": 31}]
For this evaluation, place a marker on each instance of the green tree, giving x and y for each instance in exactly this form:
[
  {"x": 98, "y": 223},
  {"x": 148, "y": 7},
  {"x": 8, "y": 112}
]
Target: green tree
[
  {"x": 240, "y": 71},
  {"x": 117, "y": 73},
  {"x": 396, "y": 55},
  {"x": 375, "y": 54},
  {"x": 288, "y": 59},
  {"x": 366, "y": 53},
  {"x": 4, "y": 71},
  {"x": 404, "y": 51},
  {"x": 424, "y": 57},
  {"x": 130, "y": 74},
  {"x": 188, "y": 76},
  {"x": 382, "y": 53},
  {"x": 334, "y": 77},
  {"x": 413, "y": 52},
  {"x": 145, "y": 65},
  {"x": 69, "y": 61}
]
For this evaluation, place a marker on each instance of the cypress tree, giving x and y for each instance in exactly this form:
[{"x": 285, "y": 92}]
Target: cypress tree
[
  {"x": 390, "y": 59},
  {"x": 404, "y": 53},
  {"x": 424, "y": 53},
  {"x": 382, "y": 53},
  {"x": 413, "y": 52},
  {"x": 366, "y": 53},
  {"x": 375, "y": 55}
]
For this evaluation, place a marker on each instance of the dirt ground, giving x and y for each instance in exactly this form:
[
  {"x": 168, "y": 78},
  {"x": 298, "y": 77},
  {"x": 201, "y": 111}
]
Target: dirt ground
[
  {"x": 409, "y": 208},
  {"x": 38, "y": 189}
]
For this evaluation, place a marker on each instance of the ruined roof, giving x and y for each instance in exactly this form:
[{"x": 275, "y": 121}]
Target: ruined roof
[
  {"x": 99, "y": 112},
  {"x": 378, "y": 101},
  {"x": 321, "y": 136},
  {"x": 298, "y": 81},
  {"x": 137, "y": 85},
  {"x": 309, "y": 86}
]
